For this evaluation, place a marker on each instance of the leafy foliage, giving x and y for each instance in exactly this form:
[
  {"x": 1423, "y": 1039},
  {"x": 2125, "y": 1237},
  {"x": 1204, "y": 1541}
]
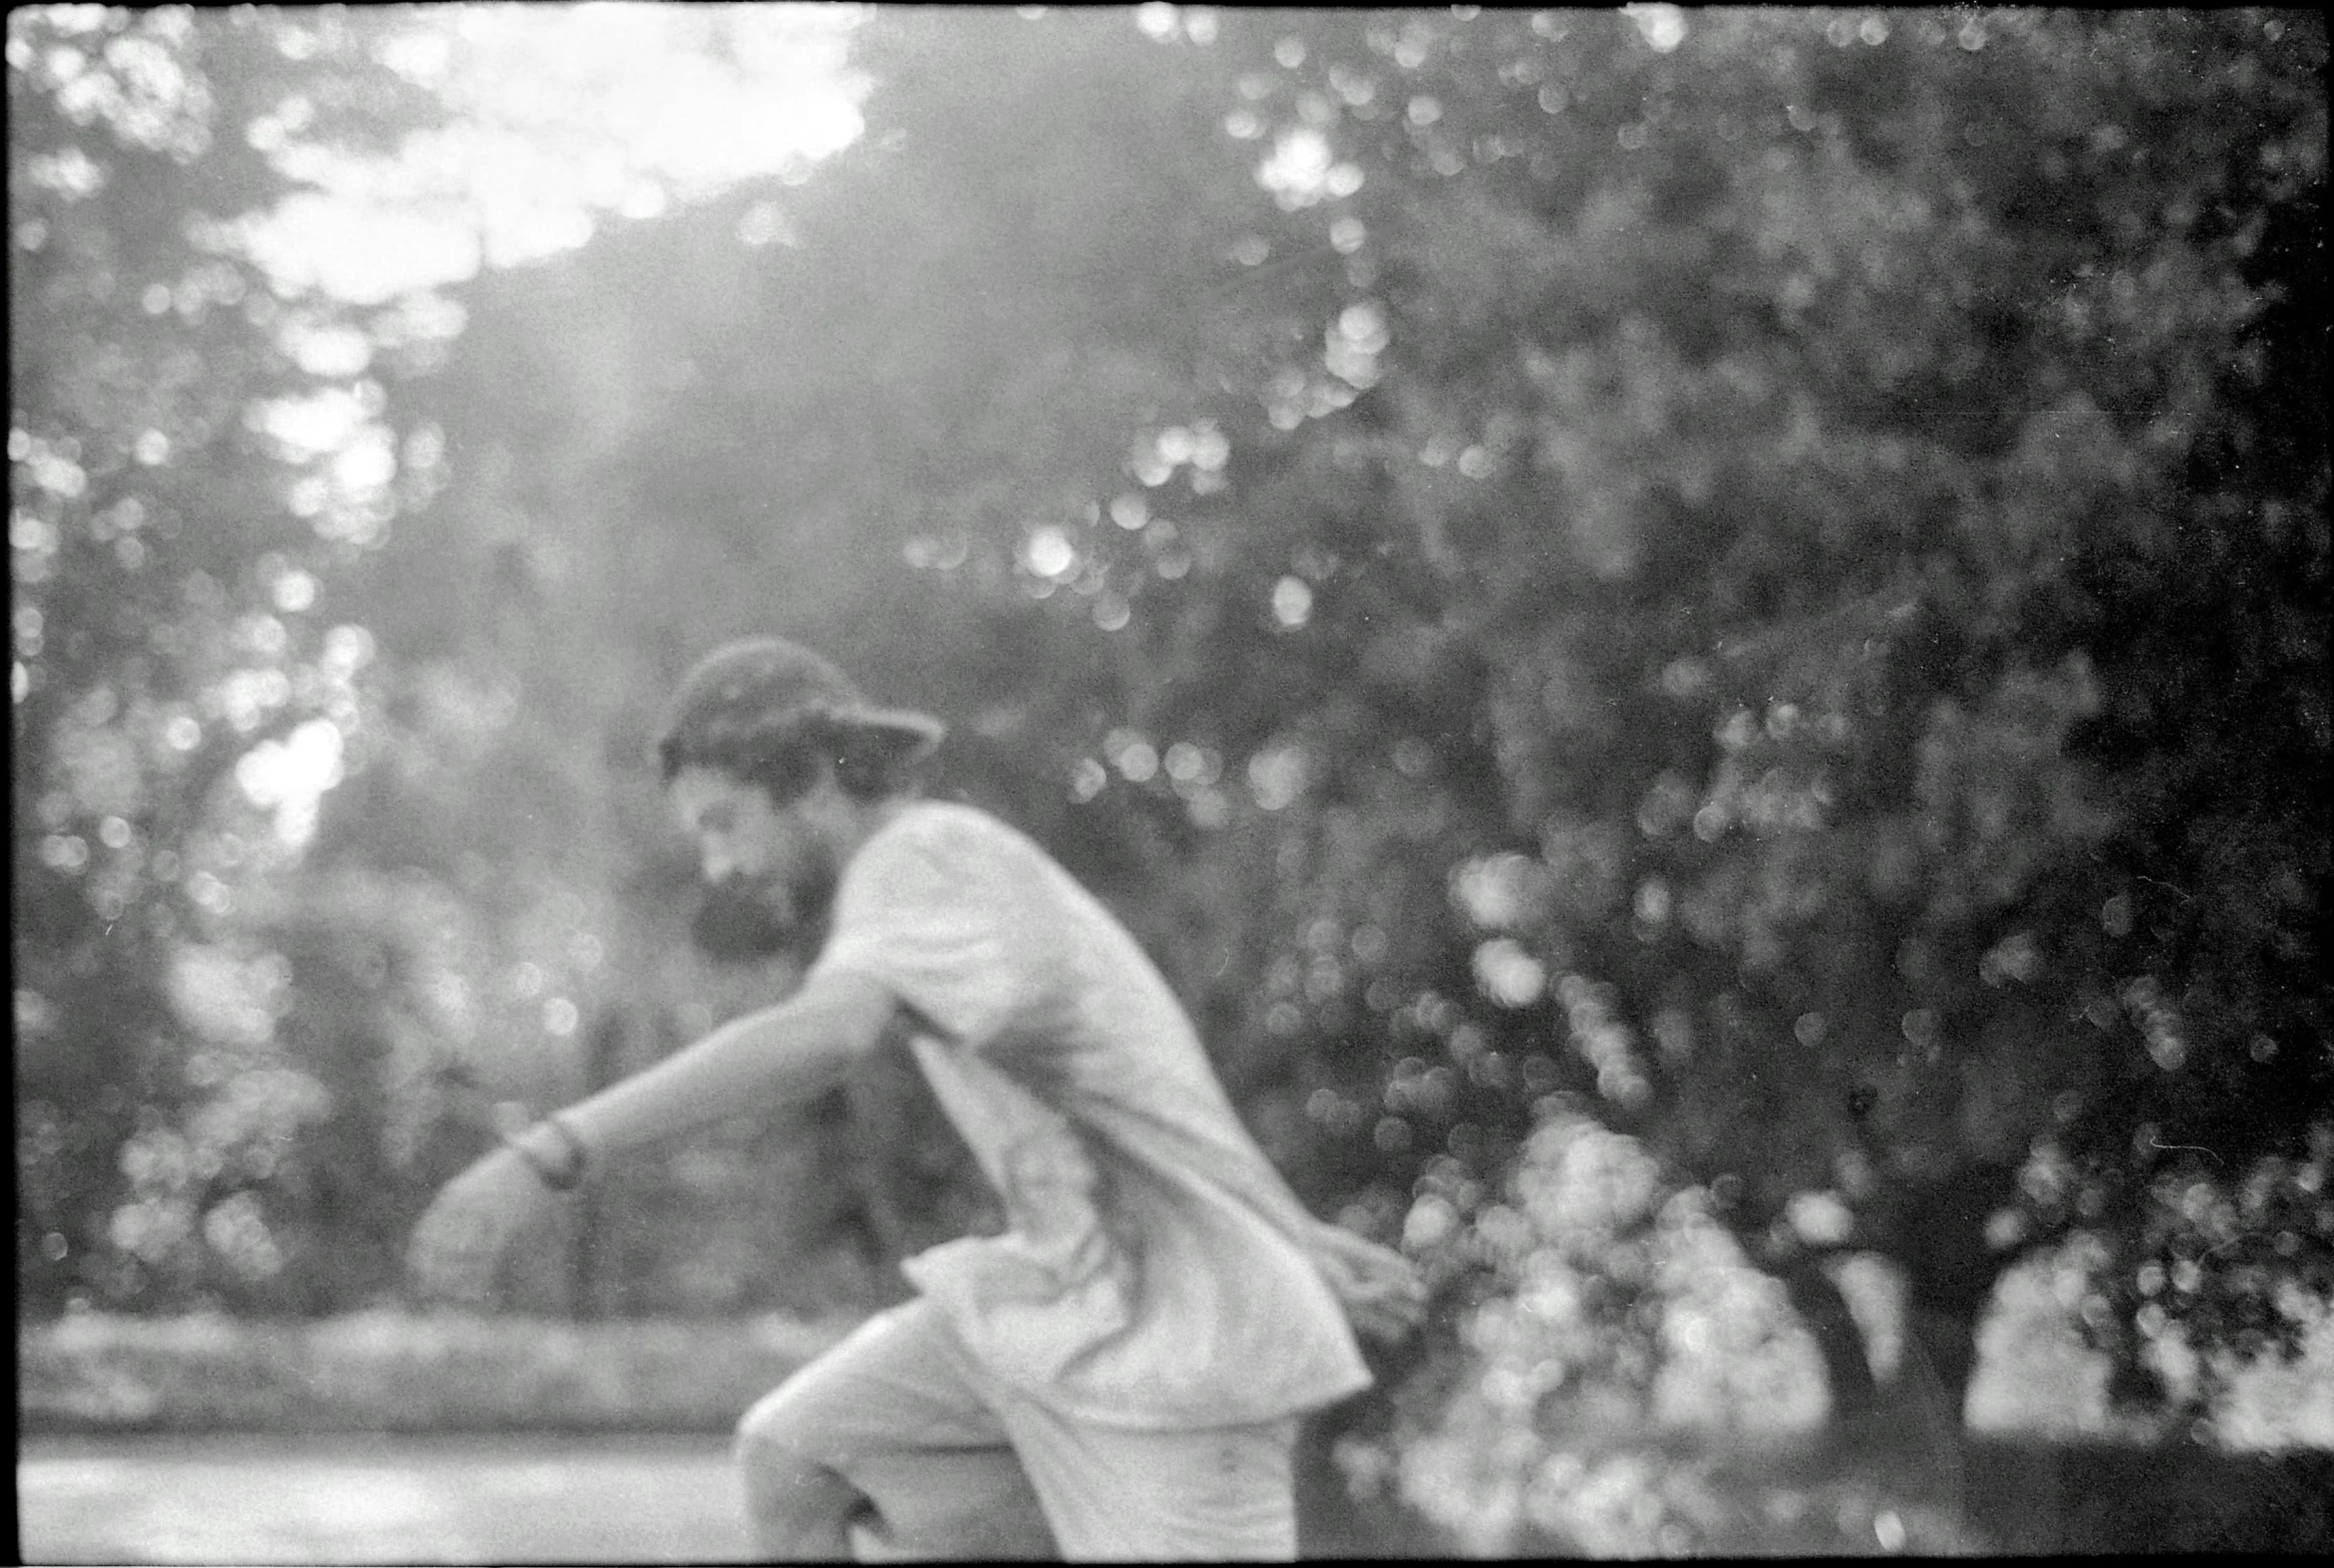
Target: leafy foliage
[
  {"x": 1779, "y": 476},
  {"x": 167, "y": 544}
]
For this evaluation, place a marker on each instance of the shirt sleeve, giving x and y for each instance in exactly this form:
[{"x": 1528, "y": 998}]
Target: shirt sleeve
[{"x": 923, "y": 913}]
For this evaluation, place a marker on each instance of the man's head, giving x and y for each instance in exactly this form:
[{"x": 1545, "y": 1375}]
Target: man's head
[{"x": 773, "y": 763}]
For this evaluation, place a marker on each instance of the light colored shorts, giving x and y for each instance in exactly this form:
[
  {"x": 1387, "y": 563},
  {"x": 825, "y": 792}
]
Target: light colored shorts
[{"x": 956, "y": 1465}]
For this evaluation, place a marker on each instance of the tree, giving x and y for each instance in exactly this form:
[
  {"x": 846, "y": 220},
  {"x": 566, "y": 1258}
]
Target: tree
[
  {"x": 847, "y": 417},
  {"x": 1537, "y": 556},
  {"x": 1768, "y": 440},
  {"x": 290, "y": 1106},
  {"x": 168, "y": 571}
]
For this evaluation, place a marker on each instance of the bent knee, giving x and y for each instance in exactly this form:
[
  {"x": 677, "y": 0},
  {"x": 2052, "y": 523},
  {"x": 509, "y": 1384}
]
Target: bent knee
[
  {"x": 784, "y": 1481},
  {"x": 800, "y": 1416},
  {"x": 772, "y": 1441},
  {"x": 767, "y": 1420},
  {"x": 795, "y": 1507}
]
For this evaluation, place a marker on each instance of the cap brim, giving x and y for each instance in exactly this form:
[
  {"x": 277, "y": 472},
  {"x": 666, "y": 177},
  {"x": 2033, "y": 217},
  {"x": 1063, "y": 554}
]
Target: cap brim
[{"x": 915, "y": 732}]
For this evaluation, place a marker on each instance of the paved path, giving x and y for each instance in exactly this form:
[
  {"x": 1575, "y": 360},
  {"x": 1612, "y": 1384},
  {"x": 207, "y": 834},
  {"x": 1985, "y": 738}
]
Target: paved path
[
  {"x": 449, "y": 1499},
  {"x": 356, "y": 1499}
]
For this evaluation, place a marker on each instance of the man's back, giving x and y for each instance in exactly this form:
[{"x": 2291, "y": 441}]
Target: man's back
[{"x": 1154, "y": 1273}]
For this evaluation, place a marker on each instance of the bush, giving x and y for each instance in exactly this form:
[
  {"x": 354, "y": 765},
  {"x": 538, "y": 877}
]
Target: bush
[{"x": 389, "y": 1371}]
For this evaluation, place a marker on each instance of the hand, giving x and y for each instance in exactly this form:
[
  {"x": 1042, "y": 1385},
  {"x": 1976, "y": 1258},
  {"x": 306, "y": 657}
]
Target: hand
[
  {"x": 461, "y": 1237},
  {"x": 1381, "y": 1289}
]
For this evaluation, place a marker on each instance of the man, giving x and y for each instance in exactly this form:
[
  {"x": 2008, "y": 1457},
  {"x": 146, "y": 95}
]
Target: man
[{"x": 1118, "y": 1374}]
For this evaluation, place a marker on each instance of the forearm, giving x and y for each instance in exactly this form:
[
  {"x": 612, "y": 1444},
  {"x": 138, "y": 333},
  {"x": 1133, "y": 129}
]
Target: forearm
[{"x": 765, "y": 1058}]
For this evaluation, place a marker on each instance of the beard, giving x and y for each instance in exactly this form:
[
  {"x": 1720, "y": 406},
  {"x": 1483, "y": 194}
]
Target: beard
[{"x": 739, "y": 921}]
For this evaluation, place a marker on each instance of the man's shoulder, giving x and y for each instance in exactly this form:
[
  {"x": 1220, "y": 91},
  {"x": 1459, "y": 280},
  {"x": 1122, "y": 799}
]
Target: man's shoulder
[{"x": 950, "y": 833}]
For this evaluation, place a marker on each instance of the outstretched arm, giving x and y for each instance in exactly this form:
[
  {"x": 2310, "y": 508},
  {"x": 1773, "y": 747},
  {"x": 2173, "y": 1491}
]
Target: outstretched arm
[
  {"x": 794, "y": 1051},
  {"x": 789, "y": 1052}
]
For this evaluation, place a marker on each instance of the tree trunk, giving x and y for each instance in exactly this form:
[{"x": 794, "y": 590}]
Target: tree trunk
[
  {"x": 1847, "y": 1365},
  {"x": 1949, "y": 1273},
  {"x": 914, "y": 1181},
  {"x": 1947, "y": 1341},
  {"x": 590, "y": 1280},
  {"x": 877, "y": 1133}
]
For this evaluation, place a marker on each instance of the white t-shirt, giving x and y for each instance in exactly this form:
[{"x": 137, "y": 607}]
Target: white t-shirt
[{"x": 1151, "y": 1273}]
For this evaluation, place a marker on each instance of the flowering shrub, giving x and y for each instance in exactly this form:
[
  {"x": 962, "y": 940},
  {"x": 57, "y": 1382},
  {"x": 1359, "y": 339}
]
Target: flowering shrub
[{"x": 1624, "y": 1382}]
